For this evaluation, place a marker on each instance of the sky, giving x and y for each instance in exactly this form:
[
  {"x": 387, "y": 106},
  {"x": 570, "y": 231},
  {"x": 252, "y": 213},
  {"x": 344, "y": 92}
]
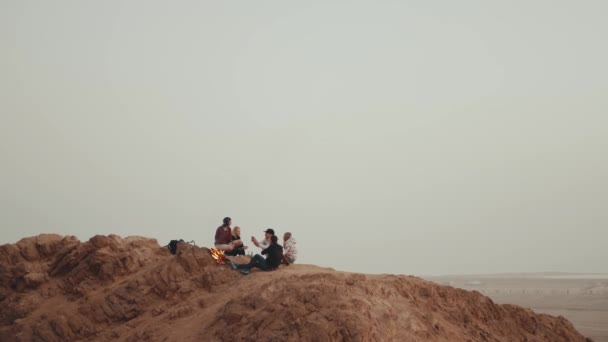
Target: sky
[{"x": 406, "y": 137}]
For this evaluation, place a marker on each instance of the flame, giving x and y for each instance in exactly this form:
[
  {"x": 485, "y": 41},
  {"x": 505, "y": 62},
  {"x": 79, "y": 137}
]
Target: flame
[{"x": 218, "y": 255}]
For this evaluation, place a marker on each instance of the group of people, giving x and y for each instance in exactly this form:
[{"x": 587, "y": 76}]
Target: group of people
[{"x": 228, "y": 239}]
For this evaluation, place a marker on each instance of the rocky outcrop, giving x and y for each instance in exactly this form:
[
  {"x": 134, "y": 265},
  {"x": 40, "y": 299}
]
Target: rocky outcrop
[{"x": 56, "y": 288}]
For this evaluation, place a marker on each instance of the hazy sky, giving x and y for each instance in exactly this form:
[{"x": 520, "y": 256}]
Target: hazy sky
[{"x": 416, "y": 137}]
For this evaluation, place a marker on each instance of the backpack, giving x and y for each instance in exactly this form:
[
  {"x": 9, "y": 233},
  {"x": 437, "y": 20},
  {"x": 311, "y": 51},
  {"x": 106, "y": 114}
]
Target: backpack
[{"x": 173, "y": 246}]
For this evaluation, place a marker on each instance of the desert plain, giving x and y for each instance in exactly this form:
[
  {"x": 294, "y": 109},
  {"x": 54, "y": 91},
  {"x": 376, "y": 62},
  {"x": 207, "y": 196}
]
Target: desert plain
[{"x": 580, "y": 298}]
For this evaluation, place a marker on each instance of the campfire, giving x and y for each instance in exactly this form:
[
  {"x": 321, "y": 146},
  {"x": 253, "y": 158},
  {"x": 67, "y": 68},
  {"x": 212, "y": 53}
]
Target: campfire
[{"x": 218, "y": 255}]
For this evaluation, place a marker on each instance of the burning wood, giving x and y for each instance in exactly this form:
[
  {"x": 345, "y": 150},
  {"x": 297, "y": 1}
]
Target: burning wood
[{"x": 218, "y": 255}]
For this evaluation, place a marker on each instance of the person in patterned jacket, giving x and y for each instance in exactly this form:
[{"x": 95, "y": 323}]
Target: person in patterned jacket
[{"x": 289, "y": 247}]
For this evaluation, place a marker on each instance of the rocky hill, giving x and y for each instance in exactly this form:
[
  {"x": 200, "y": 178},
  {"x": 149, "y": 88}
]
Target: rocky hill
[{"x": 56, "y": 288}]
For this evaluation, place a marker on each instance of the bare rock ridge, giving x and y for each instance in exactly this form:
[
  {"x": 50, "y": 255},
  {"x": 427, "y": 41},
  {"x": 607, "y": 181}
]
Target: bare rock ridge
[{"x": 56, "y": 288}]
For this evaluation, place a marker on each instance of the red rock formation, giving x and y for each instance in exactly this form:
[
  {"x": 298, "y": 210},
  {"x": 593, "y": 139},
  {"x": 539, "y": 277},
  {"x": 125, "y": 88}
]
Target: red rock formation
[{"x": 55, "y": 288}]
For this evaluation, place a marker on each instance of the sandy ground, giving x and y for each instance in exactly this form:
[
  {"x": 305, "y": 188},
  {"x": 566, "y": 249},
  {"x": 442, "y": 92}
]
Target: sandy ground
[{"x": 581, "y": 298}]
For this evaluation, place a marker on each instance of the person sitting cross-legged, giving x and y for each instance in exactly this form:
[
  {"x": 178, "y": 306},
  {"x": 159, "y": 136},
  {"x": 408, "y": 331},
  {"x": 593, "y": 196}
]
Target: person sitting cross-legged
[
  {"x": 237, "y": 243},
  {"x": 223, "y": 236},
  {"x": 273, "y": 259}
]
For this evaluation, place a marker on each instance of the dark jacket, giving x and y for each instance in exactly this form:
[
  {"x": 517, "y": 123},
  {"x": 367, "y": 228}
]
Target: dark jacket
[
  {"x": 239, "y": 250},
  {"x": 273, "y": 255},
  {"x": 235, "y": 238}
]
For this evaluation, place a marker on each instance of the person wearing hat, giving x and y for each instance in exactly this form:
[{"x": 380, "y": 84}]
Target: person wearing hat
[{"x": 269, "y": 233}]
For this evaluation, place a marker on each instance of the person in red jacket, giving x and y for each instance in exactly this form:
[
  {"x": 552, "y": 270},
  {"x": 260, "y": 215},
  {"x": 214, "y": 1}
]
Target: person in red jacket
[{"x": 223, "y": 236}]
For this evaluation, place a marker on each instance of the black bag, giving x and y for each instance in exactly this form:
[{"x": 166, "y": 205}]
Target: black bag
[{"x": 173, "y": 246}]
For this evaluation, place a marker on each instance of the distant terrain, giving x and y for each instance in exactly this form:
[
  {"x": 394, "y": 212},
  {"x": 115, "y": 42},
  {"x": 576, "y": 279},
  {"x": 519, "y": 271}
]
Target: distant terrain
[{"x": 582, "y": 298}]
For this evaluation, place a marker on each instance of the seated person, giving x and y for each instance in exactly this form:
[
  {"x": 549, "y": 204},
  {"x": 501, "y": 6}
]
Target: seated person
[
  {"x": 266, "y": 242},
  {"x": 237, "y": 243},
  {"x": 223, "y": 236},
  {"x": 273, "y": 259},
  {"x": 289, "y": 247}
]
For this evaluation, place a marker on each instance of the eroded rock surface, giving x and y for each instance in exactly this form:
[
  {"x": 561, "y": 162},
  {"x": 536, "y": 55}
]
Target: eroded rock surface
[{"x": 56, "y": 288}]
